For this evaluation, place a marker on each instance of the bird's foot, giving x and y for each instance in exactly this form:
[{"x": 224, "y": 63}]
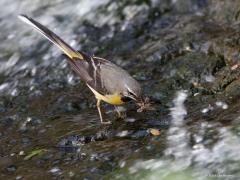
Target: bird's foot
[
  {"x": 121, "y": 115},
  {"x": 121, "y": 112}
]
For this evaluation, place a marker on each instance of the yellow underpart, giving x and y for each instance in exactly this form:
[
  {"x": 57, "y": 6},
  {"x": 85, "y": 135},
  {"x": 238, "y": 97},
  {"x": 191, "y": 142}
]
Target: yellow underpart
[{"x": 114, "y": 99}]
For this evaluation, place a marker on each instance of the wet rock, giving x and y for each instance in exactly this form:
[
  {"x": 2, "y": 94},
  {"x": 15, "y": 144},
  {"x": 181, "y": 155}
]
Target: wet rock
[
  {"x": 142, "y": 76},
  {"x": 26, "y": 140},
  {"x": 72, "y": 143},
  {"x": 233, "y": 90},
  {"x": 225, "y": 11},
  {"x": 5, "y": 162},
  {"x": 95, "y": 157},
  {"x": 47, "y": 157},
  {"x": 68, "y": 104},
  {"x": 140, "y": 134},
  {"x": 158, "y": 96},
  {"x": 11, "y": 168},
  {"x": 23, "y": 127},
  {"x": 161, "y": 123},
  {"x": 42, "y": 131},
  {"x": 102, "y": 135},
  {"x": 2, "y": 107},
  {"x": 8, "y": 120}
]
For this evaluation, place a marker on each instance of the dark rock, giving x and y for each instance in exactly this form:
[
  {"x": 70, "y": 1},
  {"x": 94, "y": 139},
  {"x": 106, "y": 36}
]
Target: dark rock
[
  {"x": 11, "y": 168},
  {"x": 140, "y": 134},
  {"x": 26, "y": 140},
  {"x": 233, "y": 90},
  {"x": 5, "y": 162}
]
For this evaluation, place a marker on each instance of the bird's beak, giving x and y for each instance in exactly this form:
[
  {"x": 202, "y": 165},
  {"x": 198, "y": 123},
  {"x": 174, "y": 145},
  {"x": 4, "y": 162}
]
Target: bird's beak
[{"x": 134, "y": 97}]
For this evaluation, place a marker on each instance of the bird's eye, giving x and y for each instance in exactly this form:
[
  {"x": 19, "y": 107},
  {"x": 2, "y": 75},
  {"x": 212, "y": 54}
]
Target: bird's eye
[{"x": 126, "y": 99}]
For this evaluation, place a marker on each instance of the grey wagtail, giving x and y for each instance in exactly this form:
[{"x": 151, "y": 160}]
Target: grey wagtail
[{"x": 106, "y": 80}]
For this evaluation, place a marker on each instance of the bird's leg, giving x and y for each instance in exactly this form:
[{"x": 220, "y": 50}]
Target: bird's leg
[
  {"x": 121, "y": 114},
  {"x": 100, "y": 113}
]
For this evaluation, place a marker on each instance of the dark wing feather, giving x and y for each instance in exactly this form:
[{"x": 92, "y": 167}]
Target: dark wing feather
[{"x": 89, "y": 71}]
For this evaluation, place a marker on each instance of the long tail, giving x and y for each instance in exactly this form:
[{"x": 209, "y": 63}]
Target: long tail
[{"x": 51, "y": 36}]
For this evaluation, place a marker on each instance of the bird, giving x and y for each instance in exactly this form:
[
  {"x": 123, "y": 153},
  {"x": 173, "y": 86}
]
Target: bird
[{"x": 108, "y": 82}]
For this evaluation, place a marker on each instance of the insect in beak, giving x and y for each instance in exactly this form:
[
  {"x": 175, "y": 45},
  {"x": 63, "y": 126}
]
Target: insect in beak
[{"x": 144, "y": 105}]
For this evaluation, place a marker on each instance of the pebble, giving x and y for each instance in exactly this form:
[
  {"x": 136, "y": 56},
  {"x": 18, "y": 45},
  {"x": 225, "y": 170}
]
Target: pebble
[
  {"x": 198, "y": 146},
  {"x": 42, "y": 131},
  {"x": 131, "y": 120},
  {"x": 154, "y": 132},
  {"x": 18, "y": 177},
  {"x": 122, "y": 133},
  {"x": 209, "y": 108},
  {"x": 21, "y": 153},
  {"x": 122, "y": 164},
  {"x": 221, "y": 104},
  {"x": 55, "y": 171},
  {"x": 209, "y": 78},
  {"x": 94, "y": 157},
  {"x": 71, "y": 174}
]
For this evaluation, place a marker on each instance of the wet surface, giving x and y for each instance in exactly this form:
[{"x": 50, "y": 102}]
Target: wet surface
[{"x": 185, "y": 54}]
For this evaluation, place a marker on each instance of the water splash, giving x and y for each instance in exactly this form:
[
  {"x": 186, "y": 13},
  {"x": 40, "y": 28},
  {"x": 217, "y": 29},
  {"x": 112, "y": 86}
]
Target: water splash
[
  {"x": 195, "y": 158},
  {"x": 178, "y": 136},
  {"x": 177, "y": 140}
]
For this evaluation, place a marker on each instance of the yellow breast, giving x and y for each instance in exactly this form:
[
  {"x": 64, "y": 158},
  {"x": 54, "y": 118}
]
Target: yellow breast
[{"x": 114, "y": 99}]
